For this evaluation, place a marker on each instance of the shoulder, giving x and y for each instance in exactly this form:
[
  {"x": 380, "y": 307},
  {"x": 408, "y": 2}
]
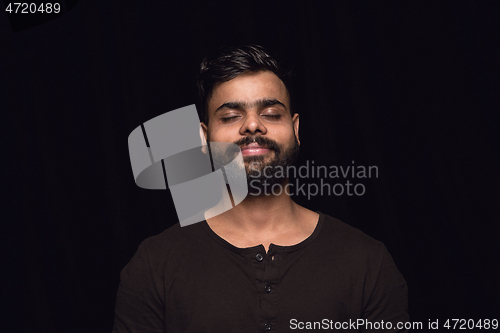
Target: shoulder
[
  {"x": 347, "y": 240},
  {"x": 173, "y": 243},
  {"x": 358, "y": 254},
  {"x": 174, "y": 237}
]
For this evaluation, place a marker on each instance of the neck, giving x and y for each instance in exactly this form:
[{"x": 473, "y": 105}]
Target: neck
[{"x": 260, "y": 214}]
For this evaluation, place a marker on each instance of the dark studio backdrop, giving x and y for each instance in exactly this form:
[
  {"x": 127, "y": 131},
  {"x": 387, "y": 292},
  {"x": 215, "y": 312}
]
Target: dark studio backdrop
[{"x": 408, "y": 86}]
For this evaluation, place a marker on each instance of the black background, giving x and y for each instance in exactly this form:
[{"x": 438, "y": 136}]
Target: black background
[{"x": 411, "y": 87}]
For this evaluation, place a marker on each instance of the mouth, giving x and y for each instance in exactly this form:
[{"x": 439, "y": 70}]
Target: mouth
[{"x": 254, "y": 149}]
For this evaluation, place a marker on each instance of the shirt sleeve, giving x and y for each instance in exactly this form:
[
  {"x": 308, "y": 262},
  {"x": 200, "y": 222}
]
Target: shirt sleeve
[
  {"x": 139, "y": 306},
  {"x": 387, "y": 299}
]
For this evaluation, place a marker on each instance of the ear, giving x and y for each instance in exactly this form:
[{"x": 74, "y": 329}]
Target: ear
[
  {"x": 203, "y": 137},
  {"x": 295, "y": 121}
]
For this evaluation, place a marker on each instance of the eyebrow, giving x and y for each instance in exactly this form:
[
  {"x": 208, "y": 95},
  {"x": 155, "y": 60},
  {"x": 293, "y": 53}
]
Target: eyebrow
[{"x": 261, "y": 103}]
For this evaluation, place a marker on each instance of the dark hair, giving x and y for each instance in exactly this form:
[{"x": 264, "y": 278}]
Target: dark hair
[{"x": 230, "y": 62}]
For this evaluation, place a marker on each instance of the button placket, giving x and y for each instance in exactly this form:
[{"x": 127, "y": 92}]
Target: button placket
[{"x": 268, "y": 289}]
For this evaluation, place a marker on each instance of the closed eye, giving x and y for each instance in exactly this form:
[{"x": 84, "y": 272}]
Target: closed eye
[
  {"x": 269, "y": 116},
  {"x": 226, "y": 119}
]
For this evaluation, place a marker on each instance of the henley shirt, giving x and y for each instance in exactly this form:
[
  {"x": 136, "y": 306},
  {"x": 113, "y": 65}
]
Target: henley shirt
[{"x": 189, "y": 279}]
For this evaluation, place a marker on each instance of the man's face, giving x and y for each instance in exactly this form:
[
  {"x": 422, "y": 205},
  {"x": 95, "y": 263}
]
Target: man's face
[{"x": 253, "y": 111}]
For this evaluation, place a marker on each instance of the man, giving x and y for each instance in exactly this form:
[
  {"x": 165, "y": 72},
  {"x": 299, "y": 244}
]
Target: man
[{"x": 267, "y": 264}]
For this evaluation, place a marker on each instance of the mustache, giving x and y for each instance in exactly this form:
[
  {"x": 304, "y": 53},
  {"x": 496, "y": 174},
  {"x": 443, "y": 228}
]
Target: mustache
[{"x": 260, "y": 140}]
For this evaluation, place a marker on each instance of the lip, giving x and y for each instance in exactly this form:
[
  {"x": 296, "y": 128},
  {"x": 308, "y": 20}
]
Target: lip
[{"x": 254, "y": 149}]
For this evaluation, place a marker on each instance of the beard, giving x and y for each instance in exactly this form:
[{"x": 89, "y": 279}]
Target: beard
[
  {"x": 265, "y": 171},
  {"x": 261, "y": 171}
]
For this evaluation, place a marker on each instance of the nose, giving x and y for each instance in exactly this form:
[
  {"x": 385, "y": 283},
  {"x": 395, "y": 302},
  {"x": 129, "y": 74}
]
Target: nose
[{"x": 252, "y": 125}]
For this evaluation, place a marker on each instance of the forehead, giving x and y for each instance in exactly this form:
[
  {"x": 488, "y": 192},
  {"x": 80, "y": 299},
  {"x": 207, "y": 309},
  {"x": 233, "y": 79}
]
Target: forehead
[{"x": 248, "y": 88}]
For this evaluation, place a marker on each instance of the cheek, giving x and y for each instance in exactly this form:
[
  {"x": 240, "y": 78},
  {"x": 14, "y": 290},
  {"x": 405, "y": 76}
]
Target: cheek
[
  {"x": 286, "y": 135},
  {"x": 222, "y": 135},
  {"x": 291, "y": 140}
]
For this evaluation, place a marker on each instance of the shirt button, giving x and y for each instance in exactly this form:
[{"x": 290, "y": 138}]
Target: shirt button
[
  {"x": 259, "y": 257},
  {"x": 267, "y": 289},
  {"x": 267, "y": 327}
]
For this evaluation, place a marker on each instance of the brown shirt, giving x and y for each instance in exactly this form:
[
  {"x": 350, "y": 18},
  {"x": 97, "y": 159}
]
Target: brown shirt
[{"x": 188, "y": 279}]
